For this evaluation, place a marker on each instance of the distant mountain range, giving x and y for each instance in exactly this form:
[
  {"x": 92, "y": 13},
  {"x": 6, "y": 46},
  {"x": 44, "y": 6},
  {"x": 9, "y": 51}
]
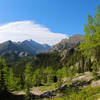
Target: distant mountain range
[{"x": 14, "y": 50}]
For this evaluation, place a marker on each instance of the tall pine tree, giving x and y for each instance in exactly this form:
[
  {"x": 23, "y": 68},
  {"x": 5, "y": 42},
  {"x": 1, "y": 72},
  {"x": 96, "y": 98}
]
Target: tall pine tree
[
  {"x": 91, "y": 44},
  {"x": 90, "y": 47}
]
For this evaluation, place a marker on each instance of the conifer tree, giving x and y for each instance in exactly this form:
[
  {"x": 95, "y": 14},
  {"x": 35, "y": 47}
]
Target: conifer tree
[
  {"x": 91, "y": 44},
  {"x": 3, "y": 75},
  {"x": 61, "y": 73},
  {"x": 28, "y": 73},
  {"x": 90, "y": 47},
  {"x": 12, "y": 82},
  {"x": 37, "y": 77},
  {"x": 49, "y": 75}
]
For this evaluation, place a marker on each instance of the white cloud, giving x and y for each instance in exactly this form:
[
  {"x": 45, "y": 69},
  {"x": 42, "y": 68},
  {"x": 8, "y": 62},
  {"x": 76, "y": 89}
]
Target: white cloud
[{"x": 23, "y": 30}]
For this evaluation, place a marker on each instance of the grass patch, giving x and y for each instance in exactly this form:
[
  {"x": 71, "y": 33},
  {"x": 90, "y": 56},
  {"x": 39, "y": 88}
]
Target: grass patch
[{"x": 47, "y": 87}]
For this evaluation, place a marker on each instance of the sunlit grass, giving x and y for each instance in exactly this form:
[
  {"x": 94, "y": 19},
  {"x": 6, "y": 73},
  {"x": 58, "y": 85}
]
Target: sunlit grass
[{"x": 48, "y": 87}]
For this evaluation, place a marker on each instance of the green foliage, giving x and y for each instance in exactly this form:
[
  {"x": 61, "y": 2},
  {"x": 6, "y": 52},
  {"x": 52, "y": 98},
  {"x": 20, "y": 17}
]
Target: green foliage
[
  {"x": 47, "y": 59},
  {"x": 94, "y": 71},
  {"x": 70, "y": 72},
  {"x": 91, "y": 42},
  {"x": 90, "y": 47},
  {"x": 61, "y": 73},
  {"x": 12, "y": 82},
  {"x": 7, "y": 78},
  {"x": 3, "y": 74},
  {"x": 88, "y": 93},
  {"x": 36, "y": 79},
  {"x": 48, "y": 75},
  {"x": 28, "y": 73}
]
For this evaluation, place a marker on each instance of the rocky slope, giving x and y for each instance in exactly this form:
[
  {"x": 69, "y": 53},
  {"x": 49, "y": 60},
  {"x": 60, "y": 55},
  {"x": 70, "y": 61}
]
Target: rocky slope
[{"x": 68, "y": 43}]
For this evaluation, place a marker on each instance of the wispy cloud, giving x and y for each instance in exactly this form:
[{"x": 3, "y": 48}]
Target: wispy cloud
[{"x": 22, "y": 30}]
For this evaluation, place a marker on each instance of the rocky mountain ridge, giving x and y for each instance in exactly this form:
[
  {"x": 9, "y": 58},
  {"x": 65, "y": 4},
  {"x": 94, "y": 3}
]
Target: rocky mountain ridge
[
  {"x": 21, "y": 49},
  {"x": 68, "y": 43}
]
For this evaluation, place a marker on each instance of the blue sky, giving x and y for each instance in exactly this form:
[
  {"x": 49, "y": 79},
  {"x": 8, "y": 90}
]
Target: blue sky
[{"x": 59, "y": 16}]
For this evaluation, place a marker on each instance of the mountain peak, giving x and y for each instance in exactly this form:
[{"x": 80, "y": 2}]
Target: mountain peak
[
  {"x": 68, "y": 43},
  {"x": 27, "y": 47},
  {"x": 9, "y": 41},
  {"x": 76, "y": 36}
]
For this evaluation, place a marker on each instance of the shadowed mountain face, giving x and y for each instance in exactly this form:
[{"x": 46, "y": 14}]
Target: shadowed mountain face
[
  {"x": 21, "y": 49},
  {"x": 68, "y": 43}
]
